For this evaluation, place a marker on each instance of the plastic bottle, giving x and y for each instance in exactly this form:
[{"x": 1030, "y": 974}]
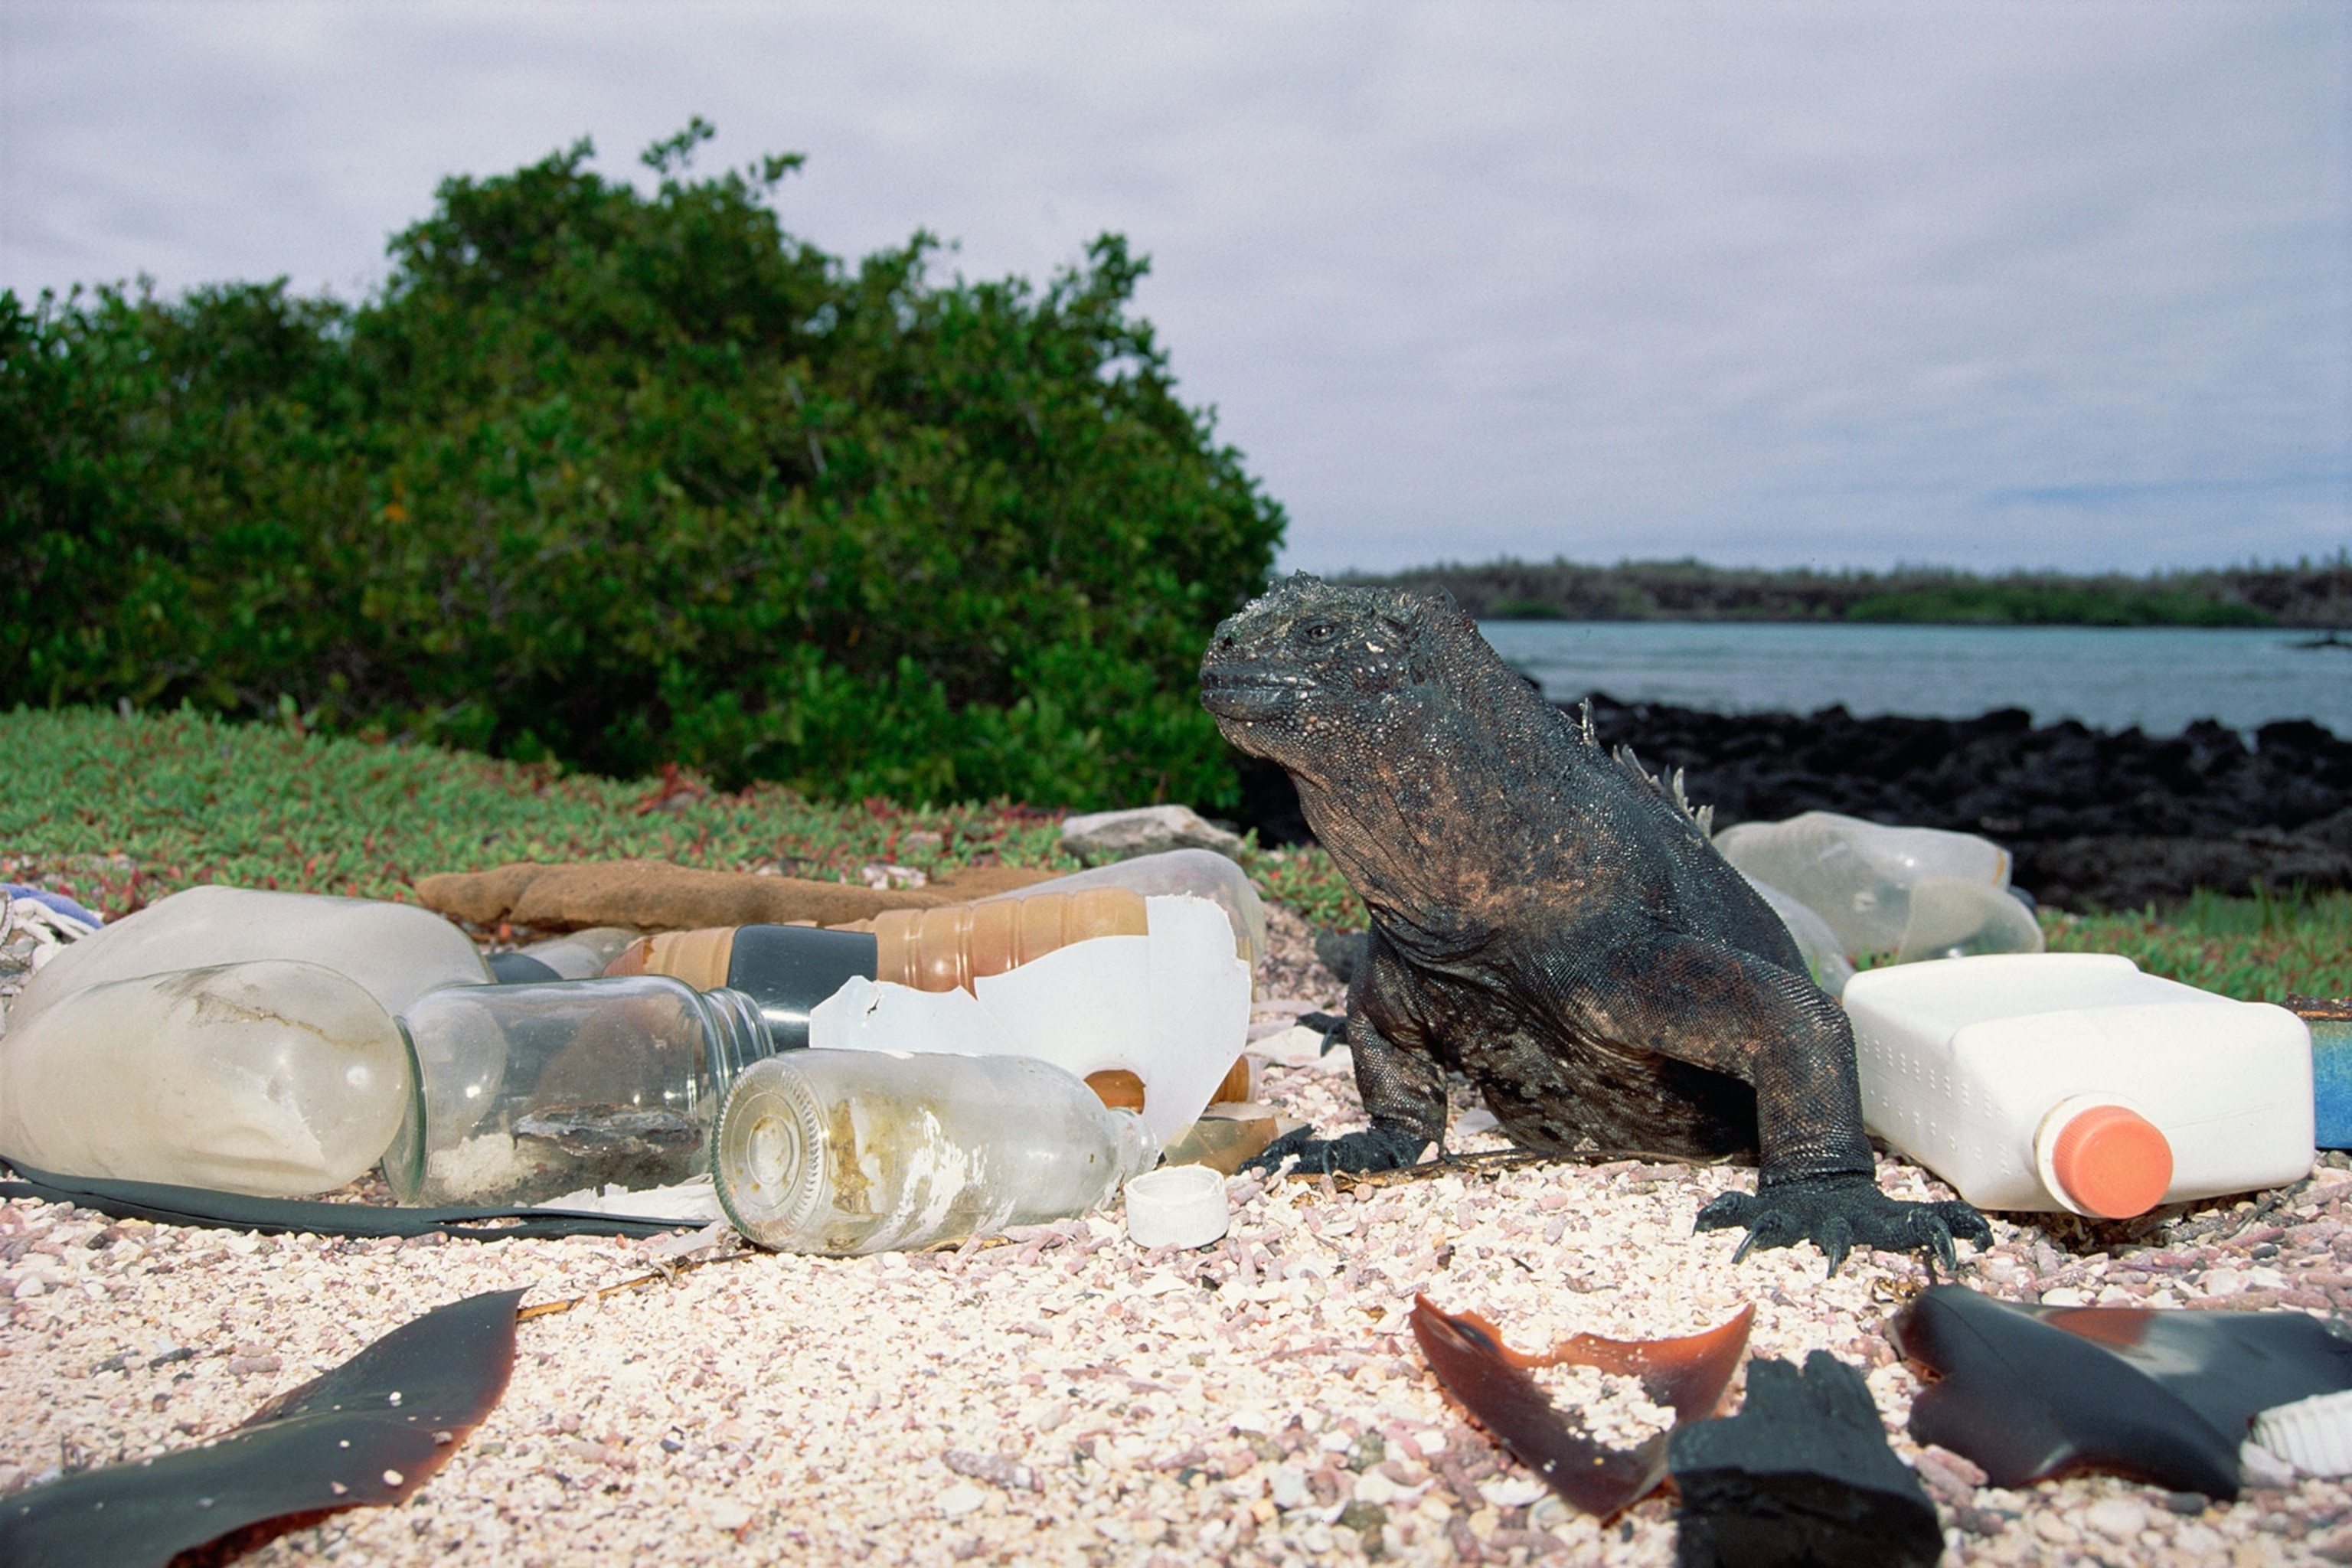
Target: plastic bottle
[
  {"x": 2045, "y": 1081},
  {"x": 788, "y": 970},
  {"x": 1910, "y": 891},
  {"x": 1167, "y": 1013},
  {"x": 277, "y": 1079},
  {"x": 396, "y": 952},
  {"x": 1825, "y": 959},
  {"x": 844, "y": 1153},
  {"x": 1199, "y": 873},
  {"x": 528, "y": 1093}
]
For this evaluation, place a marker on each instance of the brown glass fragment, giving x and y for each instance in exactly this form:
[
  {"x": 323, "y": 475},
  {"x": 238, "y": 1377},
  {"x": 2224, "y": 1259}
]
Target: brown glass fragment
[
  {"x": 1490, "y": 1378},
  {"x": 370, "y": 1431},
  {"x": 2163, "y": 1396}
]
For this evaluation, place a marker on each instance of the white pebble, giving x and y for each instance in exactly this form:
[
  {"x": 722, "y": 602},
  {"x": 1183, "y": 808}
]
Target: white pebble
[
  {"x": 2119, "y": 1518},
  {"x": 959, "y": 1500}
]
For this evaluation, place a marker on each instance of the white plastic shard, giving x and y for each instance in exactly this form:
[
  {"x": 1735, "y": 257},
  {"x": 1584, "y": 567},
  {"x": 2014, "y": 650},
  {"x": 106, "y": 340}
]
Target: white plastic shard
[
  {"x": 1081, "y": 1007},
  {"x": 882, "y": 1015},
  {"x": 1199, "y": 1011},
  {"x": 1172, "y": 1007}
]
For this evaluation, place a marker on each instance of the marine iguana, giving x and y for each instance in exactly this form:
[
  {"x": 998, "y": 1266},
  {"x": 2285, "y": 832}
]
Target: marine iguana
[{"x": 1548, "y": 920}]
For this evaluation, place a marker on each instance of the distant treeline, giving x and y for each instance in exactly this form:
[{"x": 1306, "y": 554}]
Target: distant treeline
[{"x": 2308, "y": 593}]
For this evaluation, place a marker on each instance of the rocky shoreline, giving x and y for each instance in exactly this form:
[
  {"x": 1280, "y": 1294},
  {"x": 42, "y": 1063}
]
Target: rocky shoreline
[{"x": 2097, "y": 819}]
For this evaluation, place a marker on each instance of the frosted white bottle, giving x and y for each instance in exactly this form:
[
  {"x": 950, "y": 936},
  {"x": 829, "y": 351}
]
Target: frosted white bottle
[
  {"x": 281, "y": 1080},
  {"x": 395, "y": 952},
  {"x": 2049, "y": 1081}
]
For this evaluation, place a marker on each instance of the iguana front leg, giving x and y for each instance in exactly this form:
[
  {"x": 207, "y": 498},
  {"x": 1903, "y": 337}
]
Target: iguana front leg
[
  {"x": 1400, "y": 1081},
  {"x": 1713, "y": 1005}
]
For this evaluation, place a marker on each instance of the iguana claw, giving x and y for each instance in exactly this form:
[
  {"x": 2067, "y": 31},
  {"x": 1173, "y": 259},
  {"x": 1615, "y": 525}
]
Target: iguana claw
[
  {"x": 1840, "y": 1213},
  {"x": 1373, "y": 1149}
]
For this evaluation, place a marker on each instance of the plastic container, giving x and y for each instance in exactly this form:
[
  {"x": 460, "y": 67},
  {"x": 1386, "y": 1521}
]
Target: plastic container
[
  {"x": 1916, "y": 892},
  {"x": 2047, "y": 1081},
  {"x": 1182, "y": 1206},
  {"x": 396, "y": 952},
  {"x": 1825, "y": 959},
  {"x": 281, "y": 1080},
  {"x": 845, "y": 1152},
  {"x": 577, "y": 956},
  {"x": 2330, "y": 1022},
  {"x": 526, "y": 1093},
  {"x": 1170, "y": 1009},
  {"x": 788, "y": 970},
  {"x": 956, "y": 945},
  {"x": 1196, "y": 873},
  {"x": 2314, "y": 1435}
]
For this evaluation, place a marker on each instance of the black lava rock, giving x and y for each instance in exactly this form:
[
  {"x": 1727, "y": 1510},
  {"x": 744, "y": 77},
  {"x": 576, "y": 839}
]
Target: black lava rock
[
  {"x": 2096, "y": 820},
  {"x": 1802, "y": 1475}
]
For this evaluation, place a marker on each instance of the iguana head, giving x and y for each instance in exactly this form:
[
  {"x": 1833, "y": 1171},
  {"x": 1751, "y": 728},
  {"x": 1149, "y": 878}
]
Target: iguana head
[{"x": 1311, "y": 669}]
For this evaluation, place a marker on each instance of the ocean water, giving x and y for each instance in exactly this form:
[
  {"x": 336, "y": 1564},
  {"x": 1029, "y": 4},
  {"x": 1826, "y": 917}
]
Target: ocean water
[{"x": 2157, "y": 679}]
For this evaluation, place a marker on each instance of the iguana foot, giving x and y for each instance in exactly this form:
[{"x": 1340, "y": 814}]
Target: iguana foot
[
  {"x": 1373, "y": 1149},
  {"x": 1839, "y": 1213}
]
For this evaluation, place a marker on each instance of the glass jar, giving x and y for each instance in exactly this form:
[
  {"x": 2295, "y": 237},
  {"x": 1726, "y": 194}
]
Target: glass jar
[{"x": 528, "y": 1093}]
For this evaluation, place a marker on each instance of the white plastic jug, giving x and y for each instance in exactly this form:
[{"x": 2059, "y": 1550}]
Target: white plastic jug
[{"x": 2070, "y": 1080}]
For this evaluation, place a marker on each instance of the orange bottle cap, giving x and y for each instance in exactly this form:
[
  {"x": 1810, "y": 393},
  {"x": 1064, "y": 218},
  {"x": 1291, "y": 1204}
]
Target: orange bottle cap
[{"x": 2112, "y": 1163}]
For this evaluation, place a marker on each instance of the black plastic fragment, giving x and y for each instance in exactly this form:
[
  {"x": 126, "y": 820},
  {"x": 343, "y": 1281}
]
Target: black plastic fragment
[
  {"x": 168, "y": 1205},
  {"x": 1801, "y": 1474},
  {"x": 369, "y": 1432},
  {"x": 2163, "y": 1396}
]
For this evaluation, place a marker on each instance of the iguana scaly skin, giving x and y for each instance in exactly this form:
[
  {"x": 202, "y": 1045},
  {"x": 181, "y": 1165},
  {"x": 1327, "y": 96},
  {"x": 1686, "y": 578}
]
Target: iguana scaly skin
[{"x": 1550, "y": 921}]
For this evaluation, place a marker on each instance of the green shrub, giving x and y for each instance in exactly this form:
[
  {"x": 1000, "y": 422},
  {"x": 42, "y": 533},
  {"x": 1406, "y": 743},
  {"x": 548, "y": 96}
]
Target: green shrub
[{"x": 620, "y": 479}]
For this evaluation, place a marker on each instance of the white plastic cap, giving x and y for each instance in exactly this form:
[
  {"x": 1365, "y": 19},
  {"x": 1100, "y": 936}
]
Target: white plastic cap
[
  {"x": 1182, "y": 1206},
  {"x": 2313, "y": 1435}
]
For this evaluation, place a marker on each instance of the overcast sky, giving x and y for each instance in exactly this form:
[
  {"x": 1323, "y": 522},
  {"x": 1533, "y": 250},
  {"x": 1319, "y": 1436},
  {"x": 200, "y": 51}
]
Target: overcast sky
[{"x": 1831, "y": 284}]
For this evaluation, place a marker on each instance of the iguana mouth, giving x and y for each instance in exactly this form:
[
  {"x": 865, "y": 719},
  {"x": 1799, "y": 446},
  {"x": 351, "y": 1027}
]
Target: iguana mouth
[{"x": 1246, "y": 693}]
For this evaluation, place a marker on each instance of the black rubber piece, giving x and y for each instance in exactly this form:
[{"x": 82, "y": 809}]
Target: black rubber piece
[
  {"x": 2163, "y": 1396},
  {"x": 370, "y": 1432},
  {"x": 167, "y": 1204},
  {"x": 1802, "y": 1475}
]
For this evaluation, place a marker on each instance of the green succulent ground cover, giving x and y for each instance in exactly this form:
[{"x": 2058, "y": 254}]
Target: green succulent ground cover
[{"x": 121, "y": 810}]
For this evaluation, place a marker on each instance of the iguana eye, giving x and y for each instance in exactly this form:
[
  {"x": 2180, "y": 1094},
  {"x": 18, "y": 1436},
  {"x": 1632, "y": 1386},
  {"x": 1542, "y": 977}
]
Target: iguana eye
[{"x": 1321, "y": 631}]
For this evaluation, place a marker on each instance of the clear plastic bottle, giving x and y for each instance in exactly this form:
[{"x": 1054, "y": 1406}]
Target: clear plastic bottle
[
  {"x": 396, "y": 952},
  {"x": 1910, "y": 891},
  {"x": 529, "y": 1092},
  {"x": 277, "y": 1079},
  {"x": 845, "y": 1152}
]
